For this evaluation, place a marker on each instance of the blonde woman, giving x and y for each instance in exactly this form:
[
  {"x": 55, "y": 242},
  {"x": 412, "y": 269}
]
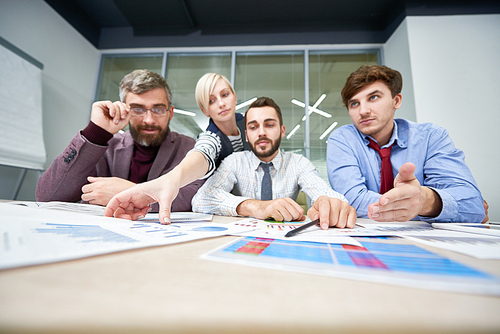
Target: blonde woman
[{"x": 224, "y": 135}]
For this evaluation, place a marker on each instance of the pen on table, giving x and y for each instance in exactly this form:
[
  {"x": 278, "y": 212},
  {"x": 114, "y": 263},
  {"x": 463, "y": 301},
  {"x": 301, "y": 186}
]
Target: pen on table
[{"x": 302, "y": 228}]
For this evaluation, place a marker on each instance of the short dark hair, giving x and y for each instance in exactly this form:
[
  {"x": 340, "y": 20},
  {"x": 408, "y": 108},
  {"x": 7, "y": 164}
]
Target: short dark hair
[
  {"x": 366, "y": 75},
  {"x": 265, "y": 102}
]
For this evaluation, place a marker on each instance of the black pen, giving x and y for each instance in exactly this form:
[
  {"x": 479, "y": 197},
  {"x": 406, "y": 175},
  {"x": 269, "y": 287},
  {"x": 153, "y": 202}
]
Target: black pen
[{"x": 302, "y": 228}]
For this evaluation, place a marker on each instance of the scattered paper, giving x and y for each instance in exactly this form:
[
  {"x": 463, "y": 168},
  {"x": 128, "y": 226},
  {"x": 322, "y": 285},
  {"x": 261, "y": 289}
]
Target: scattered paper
[
  {"x": 91, "y": 209},
  {"x": 33, "y": 236},
  {"x": 176, "y": 217},
  {"x": 478, "y": 247}
]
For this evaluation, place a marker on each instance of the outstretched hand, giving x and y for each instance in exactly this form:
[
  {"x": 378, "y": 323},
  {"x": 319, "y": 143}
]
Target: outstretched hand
[
  {"x": 134, "y": 203},
  {"x": 406, "y": 200}
]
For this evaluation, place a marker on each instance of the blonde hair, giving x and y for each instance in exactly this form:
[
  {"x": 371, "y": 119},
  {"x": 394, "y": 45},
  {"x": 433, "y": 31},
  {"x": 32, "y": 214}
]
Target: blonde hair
[{"x": 205, "y": 87}]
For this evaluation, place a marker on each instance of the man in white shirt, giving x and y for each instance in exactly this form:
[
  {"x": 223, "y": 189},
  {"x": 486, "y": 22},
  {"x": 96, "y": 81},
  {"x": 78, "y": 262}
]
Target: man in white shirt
[{"x": 237, "y": 187}]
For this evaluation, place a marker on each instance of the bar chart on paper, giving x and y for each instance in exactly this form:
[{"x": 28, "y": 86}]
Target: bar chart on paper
[
  {"x": 36, "y": 236},
  {"x": 85, "y": 233},
  {"x": 379, "y": 260}
]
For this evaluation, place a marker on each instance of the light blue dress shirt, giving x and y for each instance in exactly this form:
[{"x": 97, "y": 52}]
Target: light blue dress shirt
[
  {"x": 354, "y": 168},
  {"x": 239, "y": 177}
]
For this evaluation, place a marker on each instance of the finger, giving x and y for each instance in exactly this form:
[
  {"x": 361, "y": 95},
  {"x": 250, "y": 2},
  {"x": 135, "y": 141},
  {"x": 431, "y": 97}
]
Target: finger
[
  {"x": 342, "y": 215},
  {"x": 87, "y": 188},
  {"x": 272, "y": 209},
  {"x": 108, "y": 212},
  {"x": 93, "y": 179},
  {"x": 88, "y": 197},
  {"x": 336, "y": 208},
  {"x": 325, "y": 215},
  {"x": 112, "y": 207},
  {"x": 276, "y": 215},
  {"x": 406, "y": 173},
  {"x": 165, "y": 205},
  {"x": 165, "y": 210},
  {"x": 130, "y": 210},
  {"x": 106, "y": 108},
  {"x": 95, "y": 202},
  {"x": 313, "y": 213},
  {"x": 408, "y": 206},
  {"x": 395, "y": 195},
  {"x": 279, "y": 209},
  {"x": 376, "y": 214},
  {"x": 393, "y": 215},
  {"x": 281, "y": 214},
  {"x": 351, "y": 218},
  {"x": 164, "y": 216},
  {"x": 373, "y": 209},
  {"x": 120, "y": 213},
  {"x": 327, "y": 211},
  {"x": 114, "y": 112},
  {"x": 294, "y": 210},
  {"x": 122, "y": 108},
  {"x": 140, "y": 213}
]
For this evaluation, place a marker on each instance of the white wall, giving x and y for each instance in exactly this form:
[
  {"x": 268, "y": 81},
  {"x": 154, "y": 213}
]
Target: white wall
[
  {"x": 396, "y": 54},
  {"x": 68, "y": 78},
  {"x": 454, "y": 66}
]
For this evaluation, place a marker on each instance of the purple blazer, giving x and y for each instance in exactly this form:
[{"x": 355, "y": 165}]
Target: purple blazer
[{"x": 64, "y": 179}]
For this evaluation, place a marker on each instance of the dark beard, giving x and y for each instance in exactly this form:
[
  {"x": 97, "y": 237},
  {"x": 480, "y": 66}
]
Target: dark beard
[
  {"x": 264, "y": 154},
  {"x": 148, "y": 140}
]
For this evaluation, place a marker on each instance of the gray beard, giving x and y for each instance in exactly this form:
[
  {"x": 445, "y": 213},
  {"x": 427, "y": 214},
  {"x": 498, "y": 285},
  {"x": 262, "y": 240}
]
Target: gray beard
[{"x": 148, "y": 140}]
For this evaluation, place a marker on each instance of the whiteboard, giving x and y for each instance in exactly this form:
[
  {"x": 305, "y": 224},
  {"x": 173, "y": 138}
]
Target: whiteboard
[{"x": 21, "y": 132}]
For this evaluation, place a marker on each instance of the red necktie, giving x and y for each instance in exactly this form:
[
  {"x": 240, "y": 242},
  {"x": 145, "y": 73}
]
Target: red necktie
[{"x": 386, "y": 176}]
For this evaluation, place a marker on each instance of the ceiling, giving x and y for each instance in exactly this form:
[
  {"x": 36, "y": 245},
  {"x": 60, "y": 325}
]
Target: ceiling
[{"x": 154, "y": 23}]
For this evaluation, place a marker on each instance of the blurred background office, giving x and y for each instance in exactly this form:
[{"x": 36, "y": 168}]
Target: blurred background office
[{"x": 298, "y": 53}]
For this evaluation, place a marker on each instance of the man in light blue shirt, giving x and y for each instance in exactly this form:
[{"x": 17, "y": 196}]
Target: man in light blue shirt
[
  {"x": 237, "y": 187},
  {"x": 432, "y": 181}
]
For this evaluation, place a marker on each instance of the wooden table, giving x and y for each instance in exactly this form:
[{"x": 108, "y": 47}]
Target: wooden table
[{"x": 170, "y": 289}]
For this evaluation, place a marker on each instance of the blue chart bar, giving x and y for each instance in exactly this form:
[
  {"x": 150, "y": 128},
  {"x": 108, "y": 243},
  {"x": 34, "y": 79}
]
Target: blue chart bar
[
  {"x": 85, "y": 232},
  {"x": 393, "y": 257}
]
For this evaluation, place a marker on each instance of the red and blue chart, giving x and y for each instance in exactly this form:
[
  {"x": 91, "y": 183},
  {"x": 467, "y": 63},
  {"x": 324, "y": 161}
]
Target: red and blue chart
[{"x": 383, "y": 260}]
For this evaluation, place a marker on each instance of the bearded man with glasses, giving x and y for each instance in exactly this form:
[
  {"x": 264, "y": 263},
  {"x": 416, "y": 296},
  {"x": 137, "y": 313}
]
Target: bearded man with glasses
[{"x": 101, "y": 160}]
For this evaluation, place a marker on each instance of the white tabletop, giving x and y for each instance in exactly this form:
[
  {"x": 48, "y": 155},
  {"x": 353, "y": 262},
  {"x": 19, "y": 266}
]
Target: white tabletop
[{"x": 169, "y": 288}]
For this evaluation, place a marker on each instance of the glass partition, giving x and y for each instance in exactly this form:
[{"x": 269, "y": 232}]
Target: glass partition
[
  {"x": 280, "y": 76},
  {"x": 115, "y": 67},
  {"x": 182, "y": 73},
  {"x": 327, "y": 76}
]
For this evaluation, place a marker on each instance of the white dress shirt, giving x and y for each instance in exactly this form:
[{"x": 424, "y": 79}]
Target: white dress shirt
[{"x": 239, "y": 178}]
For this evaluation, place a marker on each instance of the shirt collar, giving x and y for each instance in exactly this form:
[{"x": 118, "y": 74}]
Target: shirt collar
[
  {"x": 394, "y": 137},
  {"x": 277, "y": 161}
]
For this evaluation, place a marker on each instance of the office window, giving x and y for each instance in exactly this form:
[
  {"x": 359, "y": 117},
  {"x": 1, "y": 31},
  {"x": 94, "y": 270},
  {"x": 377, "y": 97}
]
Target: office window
[
  {"x": 280, "y": 76},
  {"x": 115, "y": 67},
  {"x": 182, "y": 73},
  {"x": 327, "y": 76}
]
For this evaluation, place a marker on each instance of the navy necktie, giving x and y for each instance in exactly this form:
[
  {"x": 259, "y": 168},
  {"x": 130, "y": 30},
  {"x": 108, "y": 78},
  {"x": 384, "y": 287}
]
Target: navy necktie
[{"x": 266, "y": 190}]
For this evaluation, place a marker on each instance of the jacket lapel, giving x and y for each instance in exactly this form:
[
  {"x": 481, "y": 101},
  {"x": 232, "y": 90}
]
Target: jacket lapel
[
  {"x": 123, "y": 157},
  {"x": 165, "y": 154}
]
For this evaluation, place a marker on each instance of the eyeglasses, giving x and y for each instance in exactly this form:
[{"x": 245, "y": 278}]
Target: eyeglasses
[{"x": 157, "y": 111}]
